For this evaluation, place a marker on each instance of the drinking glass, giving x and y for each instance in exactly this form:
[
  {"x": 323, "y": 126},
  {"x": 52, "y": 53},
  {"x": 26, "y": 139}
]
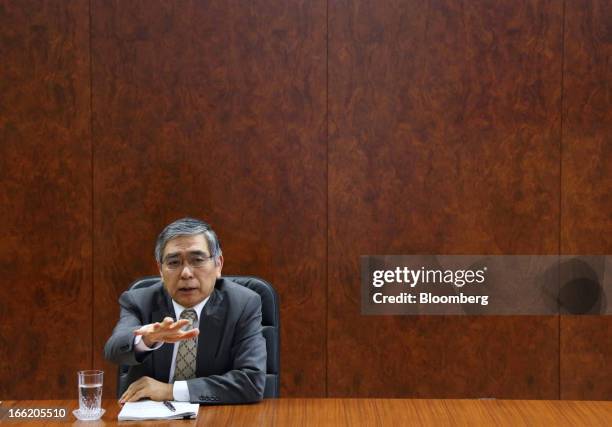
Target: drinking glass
[{"x": 90, "y": 393}]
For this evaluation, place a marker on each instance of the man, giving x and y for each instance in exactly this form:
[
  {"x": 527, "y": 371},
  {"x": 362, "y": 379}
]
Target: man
[{"x": 222, "y": 359}]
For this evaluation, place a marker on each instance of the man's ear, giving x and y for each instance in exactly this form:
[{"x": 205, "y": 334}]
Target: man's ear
[
  {"x": 220, "y": 265},
  {"x": 159, "y": 267}
]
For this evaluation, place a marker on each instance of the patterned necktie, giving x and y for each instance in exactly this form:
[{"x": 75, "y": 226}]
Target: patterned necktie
[{"x": 186, "y": 354}]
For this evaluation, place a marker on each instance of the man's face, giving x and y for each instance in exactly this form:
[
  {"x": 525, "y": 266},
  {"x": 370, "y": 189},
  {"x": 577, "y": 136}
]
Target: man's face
[{"x": 185, "y": 283}]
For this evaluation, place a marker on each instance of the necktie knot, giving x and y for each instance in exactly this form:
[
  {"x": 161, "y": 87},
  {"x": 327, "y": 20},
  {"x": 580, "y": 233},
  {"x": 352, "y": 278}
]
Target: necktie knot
[{"x": 189, "y": 314}]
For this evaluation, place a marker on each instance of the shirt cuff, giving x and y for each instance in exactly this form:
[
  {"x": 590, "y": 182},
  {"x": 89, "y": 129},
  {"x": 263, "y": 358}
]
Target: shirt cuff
[
  {"x": 180, "y": 391},
  {"x": 141, "y": 347}
]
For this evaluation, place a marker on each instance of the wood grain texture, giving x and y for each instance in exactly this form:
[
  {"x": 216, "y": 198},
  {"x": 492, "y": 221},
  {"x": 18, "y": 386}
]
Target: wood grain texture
[
  {"x": 444, "y": 139},
  {"x": 215, "y": 110},
  {"x": 45, "y": 219},
  {"x": 586, "y": 342},
  {"x": 366, "y": 412}
]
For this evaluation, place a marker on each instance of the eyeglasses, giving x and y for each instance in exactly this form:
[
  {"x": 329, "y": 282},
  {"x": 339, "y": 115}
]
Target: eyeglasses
[{"x": 194, "y": 261}]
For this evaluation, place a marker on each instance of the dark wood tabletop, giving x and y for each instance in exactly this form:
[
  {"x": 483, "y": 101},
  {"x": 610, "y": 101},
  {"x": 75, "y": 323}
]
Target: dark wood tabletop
[{"x": 351, "y": 412}]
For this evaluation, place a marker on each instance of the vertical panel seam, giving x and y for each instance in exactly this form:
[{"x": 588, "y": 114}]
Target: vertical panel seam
[
  {"x": 561, "y": 183},
  {"x": 91, "y": 137},
  {"x": 327, "y": 197}
]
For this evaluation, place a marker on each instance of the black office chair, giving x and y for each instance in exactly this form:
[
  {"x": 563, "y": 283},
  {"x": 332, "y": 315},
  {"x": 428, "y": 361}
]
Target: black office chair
[{"x": 270, "y": 323}]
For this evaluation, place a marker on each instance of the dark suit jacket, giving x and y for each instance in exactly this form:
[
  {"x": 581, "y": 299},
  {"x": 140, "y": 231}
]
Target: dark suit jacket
[{"x": 231, "y": 360}]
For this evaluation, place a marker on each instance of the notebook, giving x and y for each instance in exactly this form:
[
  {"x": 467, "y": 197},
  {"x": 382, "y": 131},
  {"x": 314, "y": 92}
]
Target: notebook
[{"x": 151, "y": 410}]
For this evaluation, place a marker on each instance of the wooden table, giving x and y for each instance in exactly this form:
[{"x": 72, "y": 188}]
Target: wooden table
[{"x": 357, "y": 412}]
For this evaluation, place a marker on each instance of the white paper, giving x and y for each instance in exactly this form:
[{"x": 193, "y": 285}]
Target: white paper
[{"x": 151, "y": 410}]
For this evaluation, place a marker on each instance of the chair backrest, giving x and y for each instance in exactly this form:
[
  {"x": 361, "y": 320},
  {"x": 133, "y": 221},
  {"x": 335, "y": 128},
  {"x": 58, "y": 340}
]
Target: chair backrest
[{"x": 270, "y": 323}]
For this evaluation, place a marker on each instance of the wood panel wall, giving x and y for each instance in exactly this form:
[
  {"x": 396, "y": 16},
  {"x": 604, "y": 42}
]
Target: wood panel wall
[
  {"x": 445, "y": 141},
  {"x": 45, "y": 198},
  {"x": 586, "y": 342},
  {"x": 307, "y": 134}
]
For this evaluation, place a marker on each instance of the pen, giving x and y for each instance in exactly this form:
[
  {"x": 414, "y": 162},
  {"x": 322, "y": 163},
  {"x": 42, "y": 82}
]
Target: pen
[{"x": 169, "y": 406}]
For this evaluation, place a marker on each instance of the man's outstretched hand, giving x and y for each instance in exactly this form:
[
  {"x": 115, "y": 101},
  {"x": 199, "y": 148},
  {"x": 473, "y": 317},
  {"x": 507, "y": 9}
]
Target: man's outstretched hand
[
  {"x": 166, "y": 331},
  {"x": 147, "y": 387}
]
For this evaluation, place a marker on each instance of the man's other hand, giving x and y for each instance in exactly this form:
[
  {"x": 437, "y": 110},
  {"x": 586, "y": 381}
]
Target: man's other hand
[
  {"x": 147, "y": 387},
  {"x": 166, "y": 331}
]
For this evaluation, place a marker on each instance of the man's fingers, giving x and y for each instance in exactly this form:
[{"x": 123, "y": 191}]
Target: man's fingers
[
  {"x": 192, "y": 333},
  {"x": 143, "y": 389},
  {"x": 182, "y": 335},
  {"x": 186, "y": 335},
  {"x": 135, "y": 397},
  {"x": 140, "y": 331},
  {"x": 147, "y": 387},
  {"x": 133, "y": 388},
  {"x": 128, "y": 393},
  {"x": 147, "y": 329},
  {"x": 167, "y": 331},
  {"x": 125, "y": 396},
  {"x": 178, "y": 324}
]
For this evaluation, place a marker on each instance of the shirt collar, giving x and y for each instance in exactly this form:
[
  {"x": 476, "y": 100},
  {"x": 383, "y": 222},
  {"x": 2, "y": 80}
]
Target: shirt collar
[{"x": 178, "y": 309}]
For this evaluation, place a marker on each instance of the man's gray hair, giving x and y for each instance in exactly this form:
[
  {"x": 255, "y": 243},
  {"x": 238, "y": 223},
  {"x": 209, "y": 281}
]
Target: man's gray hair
[{"x": 188, "y": 227}]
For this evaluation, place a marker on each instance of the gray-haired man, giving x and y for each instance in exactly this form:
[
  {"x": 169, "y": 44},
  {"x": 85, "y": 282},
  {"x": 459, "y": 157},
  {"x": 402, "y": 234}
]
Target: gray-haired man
[{"x": 222, "y": 359}]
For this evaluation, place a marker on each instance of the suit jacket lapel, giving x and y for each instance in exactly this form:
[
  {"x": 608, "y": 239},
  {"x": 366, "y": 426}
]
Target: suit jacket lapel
[
  {"x": 212, "y": 321},
  {"x": 162, "y": 358}
]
